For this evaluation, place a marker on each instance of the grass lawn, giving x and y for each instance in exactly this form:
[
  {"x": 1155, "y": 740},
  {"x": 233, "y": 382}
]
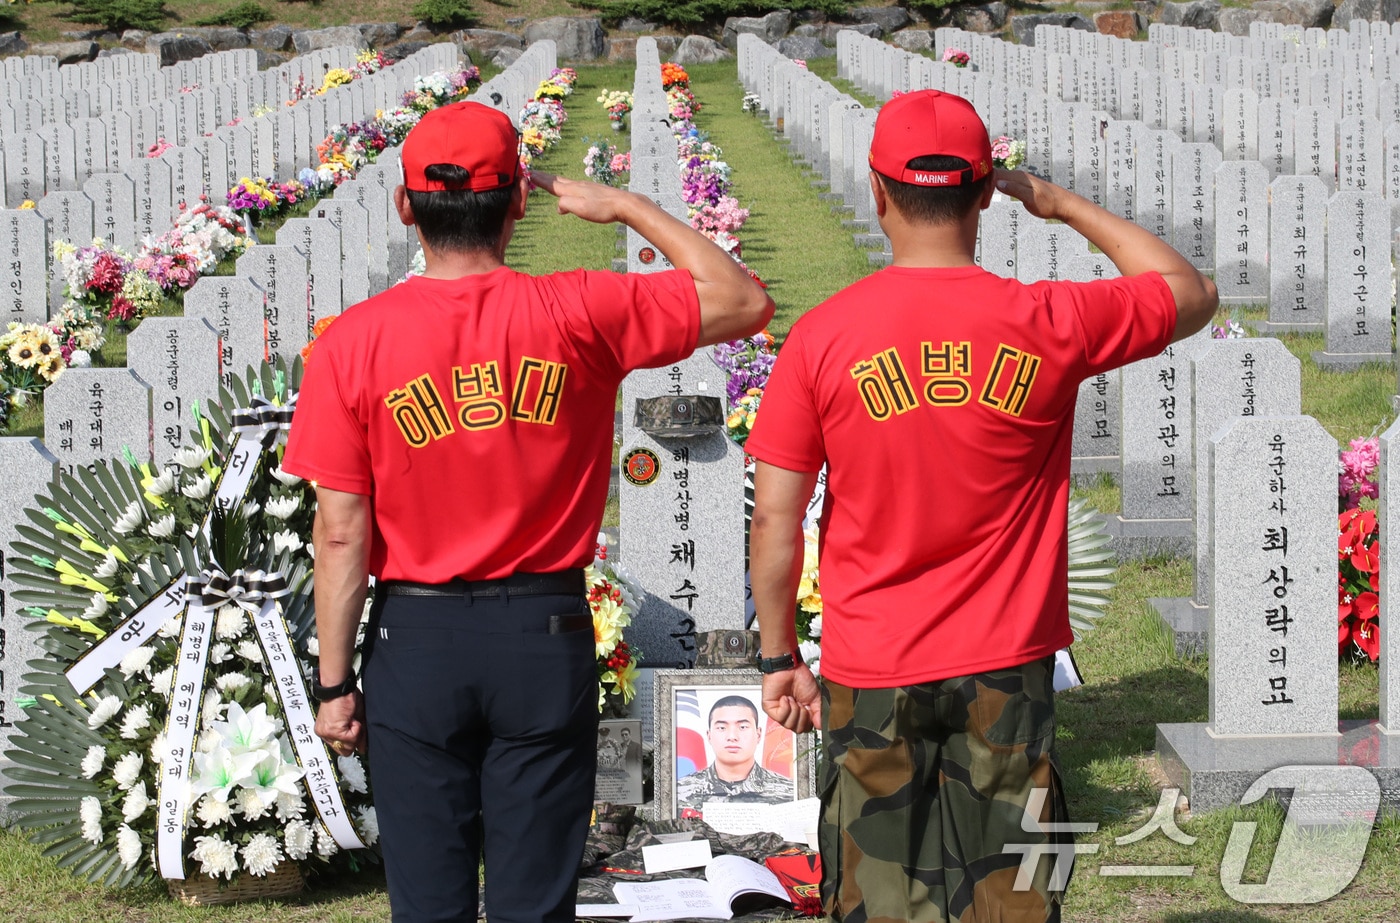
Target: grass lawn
[{"x": 1106, "y": 735}]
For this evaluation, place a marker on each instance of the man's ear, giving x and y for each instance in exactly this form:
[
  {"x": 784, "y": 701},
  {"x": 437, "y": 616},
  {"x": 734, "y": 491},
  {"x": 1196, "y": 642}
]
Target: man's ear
[
  {"x": 520, "y": 194},
  {"x": 402, "y": 207},
  {"x": 877, "y": 188},
  {"x": 989, "y": 191}
]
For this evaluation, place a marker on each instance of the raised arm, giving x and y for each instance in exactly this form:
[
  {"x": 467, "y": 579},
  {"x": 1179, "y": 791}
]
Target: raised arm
[
  {"x": 1134, "y": 250},
  {"x": 732, "y": 305}
]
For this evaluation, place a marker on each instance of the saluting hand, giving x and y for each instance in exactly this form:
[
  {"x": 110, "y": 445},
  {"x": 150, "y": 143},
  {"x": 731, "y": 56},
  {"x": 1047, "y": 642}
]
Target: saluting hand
[
  {"x": 590, "y": 201},
  {"x": 1041, "y": 198}
]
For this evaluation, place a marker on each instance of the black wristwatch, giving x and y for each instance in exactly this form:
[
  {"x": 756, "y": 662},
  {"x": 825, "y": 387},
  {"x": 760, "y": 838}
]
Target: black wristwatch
[
  {"x": 326, "y": 693},
  {"x": 788, "y": 661}
]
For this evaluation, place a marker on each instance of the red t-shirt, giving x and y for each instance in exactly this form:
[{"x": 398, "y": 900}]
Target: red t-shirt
[
  {"x": 477, "y": 413},
  {"x": 942, "y": 401}
]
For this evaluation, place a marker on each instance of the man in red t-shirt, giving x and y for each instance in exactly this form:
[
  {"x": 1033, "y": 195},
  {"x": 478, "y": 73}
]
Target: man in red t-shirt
[
  {"x": 458, "y": 429},
  {"x": 941, "y": 399}
]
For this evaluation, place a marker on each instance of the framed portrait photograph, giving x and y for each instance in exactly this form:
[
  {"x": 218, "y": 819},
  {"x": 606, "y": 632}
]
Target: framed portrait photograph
[
  {"x": 619, "y": 762},
  {"x": 715, "y": 746}
]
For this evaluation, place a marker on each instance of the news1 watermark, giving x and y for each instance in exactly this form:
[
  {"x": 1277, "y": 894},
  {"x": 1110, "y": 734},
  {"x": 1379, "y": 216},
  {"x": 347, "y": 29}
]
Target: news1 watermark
[{"x": 1319, "y": 851}]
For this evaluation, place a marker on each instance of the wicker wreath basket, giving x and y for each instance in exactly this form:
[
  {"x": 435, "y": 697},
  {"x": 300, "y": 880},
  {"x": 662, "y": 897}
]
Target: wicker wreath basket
[{"x": 283, "y": 881}]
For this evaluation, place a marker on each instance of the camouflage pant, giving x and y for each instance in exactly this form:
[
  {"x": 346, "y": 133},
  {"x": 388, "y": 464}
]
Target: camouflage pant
[{"x": 924, "y": 786}]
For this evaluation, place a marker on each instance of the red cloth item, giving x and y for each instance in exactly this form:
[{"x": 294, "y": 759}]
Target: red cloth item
[
  {"x": 942, "y": 401},
  {"x": 929, "y": 123},
  {"x": 477, "y": 138},
  {"x": 477, "y": 413}
]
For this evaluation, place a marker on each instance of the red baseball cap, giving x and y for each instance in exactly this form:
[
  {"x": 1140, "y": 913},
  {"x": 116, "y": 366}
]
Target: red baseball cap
[
  {"x": 477, "y": 138},
  {"x": 930, "y": 123}
]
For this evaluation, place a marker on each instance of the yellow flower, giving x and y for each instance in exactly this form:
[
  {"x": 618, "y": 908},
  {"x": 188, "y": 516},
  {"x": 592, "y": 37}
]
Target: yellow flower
[
  {"x": 748, "y": 420},
  {"x": 811, "y": 602},
  {"x": 625, "y": 680},
  {"x": 51, "y": 366},
  {"x": 24, "y": 352},
  {"x": 26, "y": 205},
  {"x": 607, "y": 627},
  {"x": 736, "y": 420}
]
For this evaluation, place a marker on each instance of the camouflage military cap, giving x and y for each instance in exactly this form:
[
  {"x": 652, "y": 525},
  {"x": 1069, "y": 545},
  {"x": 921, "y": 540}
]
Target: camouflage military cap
[
  {"x": 679, "y": 415},
  {"x": 727, "y": 649}
]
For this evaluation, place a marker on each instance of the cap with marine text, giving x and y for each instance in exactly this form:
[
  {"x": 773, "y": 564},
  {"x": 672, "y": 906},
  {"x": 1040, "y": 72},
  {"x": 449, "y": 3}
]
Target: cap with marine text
[
  {"x": 477, "y": 138},
  {"x": 928, "y": 123}
]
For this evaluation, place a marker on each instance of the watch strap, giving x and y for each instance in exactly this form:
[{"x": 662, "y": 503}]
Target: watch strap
[
  {"x": 325, "y": 693},
  {"x": 782, "y": 662}
]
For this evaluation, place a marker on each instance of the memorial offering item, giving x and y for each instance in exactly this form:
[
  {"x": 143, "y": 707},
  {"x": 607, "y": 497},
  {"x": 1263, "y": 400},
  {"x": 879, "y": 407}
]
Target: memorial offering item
[
  {"x": 543, "y": 117},
  {"x": 617, "y": 103},
  {"x": 619, "y": 779},
  {"x": 956, "y": 57},
  {"x": 732, "y": 886},
  {"x": 104, "y": 282},
  {"x": 612, "y": 599},
  {"x": 1008, "y": 153},
  {"x": 753, "y": 103},
  {"x": 33, "y": 356},
  {"x": 603, "y": 164},
  {"x": 438, "y": 89},
  {"x": 170, "y": 732},
  {"x": 673, "y": 75},
  {"x": 1358, "y": 586}
]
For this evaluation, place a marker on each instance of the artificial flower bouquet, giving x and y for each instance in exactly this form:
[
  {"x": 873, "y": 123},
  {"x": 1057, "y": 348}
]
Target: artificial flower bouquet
[
  {"x": 104, "y": 282},
  {"x": 617, "y": 103},
  {"x": 612, "y": 598},
  {"x": 1008, "y": 153},
  {"x": 673, "y": 75},
  {"x": 1358, "y": 585},
  {"x": 956, "y": 57},
  {"x": 603, "y": 164}
]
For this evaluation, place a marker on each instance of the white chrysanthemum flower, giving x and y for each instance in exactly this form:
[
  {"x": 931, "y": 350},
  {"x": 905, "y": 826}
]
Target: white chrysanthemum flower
[
  {"x": 137, "y": 719},
  {"x": 92, "y": 762},
  {"x": 290, "y": 480},
  {"x": 368, "y": 826},
  {"x": 210, "y": 711},
  {"x": 199, "y": 488},
  {"x": 262, "y": 854},
  {"x": 352, "y": 773},
  {"x": 230, "y": 623},
  {"x": 289, "y": 806},
  {"x": 250, "y": 805},
  {"x": 104, "y": 571},
  {"x": 282, "y": 507},
  {"x": 172, "y": 627},
  {"x": 135, "y": 803},
  {"x": 232, "y": 682},
  {"x": 137, "y": 661},
  {"x": 211, "y": 811},
  {"x": 130, "y": 518},
  {"x": 128, "y": 847},
  {"x": 299, "y": 839},
  {"x": 216, "y": 856},
  {"x": 326, "y": 846},
  {"x": 313, "y": 646},
  {"x": 127, "y": 770},
  {"x": 286, "y": 540},
  {"x": 158, "y": 749},
  {"x": 160, "y": 683},
  {"x": 191, "y": 457},
  {"x": 164, "y": 527},
  {"x": 220, "y": 653},
  {"x": 815, "y": 627},
  {"x": 249, "y": 650},
  {"x": 250, "y": 509},
  {"x": 104, "y": 711},
  {"x": 90, "y": 812},
  {"x": 162, "y": 483}
]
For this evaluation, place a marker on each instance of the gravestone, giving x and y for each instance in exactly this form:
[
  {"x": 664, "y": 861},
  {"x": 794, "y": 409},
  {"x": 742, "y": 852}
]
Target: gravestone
[
  {"x": 29, "y": 469},
  {"x": 1098, "y": 423},
  {"x": 1276, "y": 137},
  {"x": 1154, "y": 183},
  {"x": 25, "y": 169},
  {"x": 1361, "y": 155},
  {"x": 178, "y": 357},
  {"x": 1388, "y": 532},
  {"x": 1000, "y": 231},
  {"x": 280, "y": 272},
  {"x": 90, "y": 148},
  {"x": 351, "y": 222},
  {"x": 94, "y": 414},
  {"x": 1241, "y": 125},
  {"x": 1241, "y": 232},
  {"x": 69, "y": 217},
  {"x": 24, "y": 239},
  {"x": 234, "y": 306},
  {"x": 113, "y": 198},
  {"x": 1274, "y": 529},
  {"x": 1359, "y": 288},
  {"x": 1193, "y": 203},
  {"x": 154, "y": 211},
  {"x": 1297, "y": 254},
  {"x": 1042, "y": 253},
  {"x": 320, "y": 241}
]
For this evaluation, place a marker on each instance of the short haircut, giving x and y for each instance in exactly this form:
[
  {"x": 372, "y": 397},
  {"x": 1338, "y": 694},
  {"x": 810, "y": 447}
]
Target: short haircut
[
  {"x": 936, "y": 204},
  {"x": 731, "y": 701},
  {"x": 458, "y": 220}
]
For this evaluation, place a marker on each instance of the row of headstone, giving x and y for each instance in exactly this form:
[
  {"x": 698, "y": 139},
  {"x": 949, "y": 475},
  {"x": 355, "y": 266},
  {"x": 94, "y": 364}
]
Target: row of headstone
[{"x": 353, "y": 246}]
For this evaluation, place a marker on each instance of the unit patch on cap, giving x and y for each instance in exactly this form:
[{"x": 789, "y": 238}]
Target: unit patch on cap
[{"x": 647, "y": 255}]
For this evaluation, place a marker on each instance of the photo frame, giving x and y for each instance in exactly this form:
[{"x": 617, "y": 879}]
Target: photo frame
[
  {"x": 619, "y": 754},
  {"x": 683, "y": 702}
]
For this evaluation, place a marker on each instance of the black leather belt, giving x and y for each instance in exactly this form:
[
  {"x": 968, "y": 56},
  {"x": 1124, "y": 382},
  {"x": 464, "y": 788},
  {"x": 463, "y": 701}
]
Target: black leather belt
[{"x": 555, "y": 584}]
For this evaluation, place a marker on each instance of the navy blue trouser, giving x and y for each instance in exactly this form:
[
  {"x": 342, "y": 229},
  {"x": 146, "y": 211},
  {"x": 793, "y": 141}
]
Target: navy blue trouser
[{"x": 482, "y": 735}]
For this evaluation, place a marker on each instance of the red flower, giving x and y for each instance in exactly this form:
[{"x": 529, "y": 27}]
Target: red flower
[
  {"x": 1368, "y": 638},
  {"x": 107, "y": 275},
  {"x": 1367, "y": 606},
  {"x": 1366, "y": 558},
  {"x": 121, "y": 309}
]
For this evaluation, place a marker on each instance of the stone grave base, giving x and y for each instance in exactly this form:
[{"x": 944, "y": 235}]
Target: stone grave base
[
  {"x": 1190, "y": 623},
  {"x": 1270, "y": 328},
  {"x": 1245, "y": 301},
  {"x": 1089, "y": 466},
  {"x": 1146, "y": 538},
  {"x": 1349, "y": 362},
  {"x": 1215, "y": 772}
]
